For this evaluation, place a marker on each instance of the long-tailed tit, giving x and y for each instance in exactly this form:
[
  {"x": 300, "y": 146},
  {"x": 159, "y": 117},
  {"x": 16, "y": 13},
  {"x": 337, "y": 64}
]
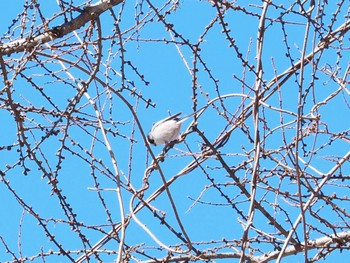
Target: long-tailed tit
[{"x": 166, "y": 130}]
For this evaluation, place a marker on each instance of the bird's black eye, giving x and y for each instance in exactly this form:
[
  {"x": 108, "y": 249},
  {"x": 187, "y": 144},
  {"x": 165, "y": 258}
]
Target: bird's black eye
[{"x": 150, "y": 140}]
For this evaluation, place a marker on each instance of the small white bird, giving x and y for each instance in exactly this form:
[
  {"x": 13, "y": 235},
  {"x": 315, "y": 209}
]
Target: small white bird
[{"x": 166, "y": 130}]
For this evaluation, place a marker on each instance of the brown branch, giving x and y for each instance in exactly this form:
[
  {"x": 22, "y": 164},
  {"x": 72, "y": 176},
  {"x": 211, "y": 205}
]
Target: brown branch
[{"x": 88, "y": 14}]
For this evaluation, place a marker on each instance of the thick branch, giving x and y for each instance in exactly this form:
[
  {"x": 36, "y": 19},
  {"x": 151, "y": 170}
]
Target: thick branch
[{"x": 87, "y": 14}]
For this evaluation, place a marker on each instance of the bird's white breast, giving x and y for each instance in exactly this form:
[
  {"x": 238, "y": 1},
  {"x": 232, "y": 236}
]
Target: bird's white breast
[{"x": 166, "y": 132}]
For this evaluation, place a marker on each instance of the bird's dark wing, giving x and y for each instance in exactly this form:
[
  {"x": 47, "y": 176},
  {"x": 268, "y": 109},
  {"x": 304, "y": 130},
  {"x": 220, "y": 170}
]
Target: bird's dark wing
[{"x": 172, "y": 117}]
